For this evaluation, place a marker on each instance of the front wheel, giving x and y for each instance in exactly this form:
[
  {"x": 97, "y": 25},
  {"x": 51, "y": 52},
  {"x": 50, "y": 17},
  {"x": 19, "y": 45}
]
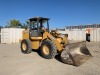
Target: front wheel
[
  {"x": 26, "y": 46},
  {"x": 48, "y": 49}
]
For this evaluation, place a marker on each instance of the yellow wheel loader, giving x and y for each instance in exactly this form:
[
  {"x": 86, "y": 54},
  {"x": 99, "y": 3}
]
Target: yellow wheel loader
[{"x": 50, "y": 43}]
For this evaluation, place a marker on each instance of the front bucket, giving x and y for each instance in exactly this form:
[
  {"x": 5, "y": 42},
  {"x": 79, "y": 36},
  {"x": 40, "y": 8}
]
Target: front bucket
[{"x": 75, "y": 53}]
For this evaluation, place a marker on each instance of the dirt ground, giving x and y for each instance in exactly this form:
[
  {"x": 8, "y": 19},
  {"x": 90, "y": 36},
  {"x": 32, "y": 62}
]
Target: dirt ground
[{"x": 13, "y": 62}]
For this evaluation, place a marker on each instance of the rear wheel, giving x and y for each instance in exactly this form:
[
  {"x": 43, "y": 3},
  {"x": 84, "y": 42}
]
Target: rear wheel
[
  {"x": 48, "y": 49},
  {"x": 26, "y": 46}
]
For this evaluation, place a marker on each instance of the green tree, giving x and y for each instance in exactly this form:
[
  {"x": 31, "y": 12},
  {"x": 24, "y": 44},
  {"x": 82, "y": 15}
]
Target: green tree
[
  {"x": 13, "y": 23},
  {"x": 1, "y": 28},
  {"x": 25, "y": 25}
]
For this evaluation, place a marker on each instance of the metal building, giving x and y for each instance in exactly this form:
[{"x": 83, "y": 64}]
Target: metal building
[
  {"x": 11, "y": 35},
  {"x": 82, "y": 32},
  {"x": 83, "y": 26}
]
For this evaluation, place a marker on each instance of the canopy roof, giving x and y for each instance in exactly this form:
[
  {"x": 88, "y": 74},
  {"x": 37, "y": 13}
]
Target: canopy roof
[{"x": 39, "y": 18}]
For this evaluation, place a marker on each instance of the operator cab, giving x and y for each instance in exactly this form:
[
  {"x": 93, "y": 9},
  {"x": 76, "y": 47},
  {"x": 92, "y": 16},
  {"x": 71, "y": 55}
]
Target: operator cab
[{"x": 36, "y": 26}]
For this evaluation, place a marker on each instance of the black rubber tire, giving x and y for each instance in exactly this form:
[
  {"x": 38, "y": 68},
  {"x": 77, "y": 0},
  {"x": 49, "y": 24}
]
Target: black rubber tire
[
  {"x": 52, "y": 49},
  {"x": 28, "y": 46}
]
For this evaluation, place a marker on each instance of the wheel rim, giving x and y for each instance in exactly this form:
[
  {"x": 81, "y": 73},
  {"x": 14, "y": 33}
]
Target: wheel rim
[
  {"x": 45, "y": 50},
  {"x": 24, "y": 47}
]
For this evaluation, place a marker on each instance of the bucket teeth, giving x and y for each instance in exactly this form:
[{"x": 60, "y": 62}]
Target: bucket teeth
[{"x": 75, "y": 54}]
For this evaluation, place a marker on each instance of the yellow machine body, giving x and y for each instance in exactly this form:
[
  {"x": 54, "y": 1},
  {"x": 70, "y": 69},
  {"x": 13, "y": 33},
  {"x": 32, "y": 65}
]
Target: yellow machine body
[
  {"x": 52, "y": 43},
  {"x": 36, "y": 41}
]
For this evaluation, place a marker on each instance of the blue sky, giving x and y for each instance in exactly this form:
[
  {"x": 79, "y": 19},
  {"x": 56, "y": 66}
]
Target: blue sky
[{"x": 61, "y": 12}]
